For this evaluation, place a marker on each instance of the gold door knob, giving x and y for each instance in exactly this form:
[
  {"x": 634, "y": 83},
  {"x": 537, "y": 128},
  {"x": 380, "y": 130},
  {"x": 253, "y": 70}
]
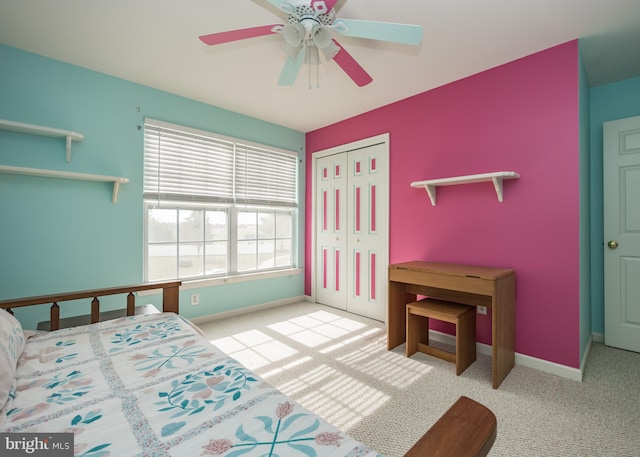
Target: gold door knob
[{"x": 612, "y": 244}]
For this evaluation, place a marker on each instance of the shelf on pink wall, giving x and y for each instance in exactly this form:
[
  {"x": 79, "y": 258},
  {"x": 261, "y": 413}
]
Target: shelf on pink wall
[{"x": 497, "y": 177}]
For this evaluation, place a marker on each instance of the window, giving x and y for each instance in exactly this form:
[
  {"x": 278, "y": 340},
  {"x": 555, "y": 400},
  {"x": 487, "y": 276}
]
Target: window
[
  {"x": 264, "y": 238},
  {"x": 215, "y": 206}
]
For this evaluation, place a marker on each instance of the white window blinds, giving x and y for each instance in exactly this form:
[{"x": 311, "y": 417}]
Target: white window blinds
[
  {"x": 183, "y": 164},
  {"x": 264, "y": 176}
]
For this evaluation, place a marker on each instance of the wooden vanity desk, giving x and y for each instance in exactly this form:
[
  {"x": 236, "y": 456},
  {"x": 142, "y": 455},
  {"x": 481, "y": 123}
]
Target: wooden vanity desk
[{"x": 471, "y": 285}]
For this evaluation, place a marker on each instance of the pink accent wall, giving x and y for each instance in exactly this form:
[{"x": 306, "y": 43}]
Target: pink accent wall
[{"x": 523, "y": 117}]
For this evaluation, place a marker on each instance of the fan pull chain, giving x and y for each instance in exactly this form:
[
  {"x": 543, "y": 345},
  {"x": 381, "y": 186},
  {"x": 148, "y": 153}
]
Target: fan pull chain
[
  {"x": 310, "y": 64},
  {"x": 309, "y": 67},
  {"x": 318, "y": 69}
]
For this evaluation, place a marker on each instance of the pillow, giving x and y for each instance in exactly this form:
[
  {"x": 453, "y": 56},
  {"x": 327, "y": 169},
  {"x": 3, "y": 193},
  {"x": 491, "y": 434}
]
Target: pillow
[{"x": 12, "y": 342}]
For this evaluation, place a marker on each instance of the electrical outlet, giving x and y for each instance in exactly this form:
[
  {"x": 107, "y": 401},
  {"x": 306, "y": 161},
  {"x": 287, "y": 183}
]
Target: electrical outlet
[
  {"x": 481, "y": 309},
  {"x": 195, "y": 299}
]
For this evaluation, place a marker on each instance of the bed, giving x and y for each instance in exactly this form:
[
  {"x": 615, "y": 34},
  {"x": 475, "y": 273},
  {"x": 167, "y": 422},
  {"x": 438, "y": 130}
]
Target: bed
[{"x": 153, "y": 385}]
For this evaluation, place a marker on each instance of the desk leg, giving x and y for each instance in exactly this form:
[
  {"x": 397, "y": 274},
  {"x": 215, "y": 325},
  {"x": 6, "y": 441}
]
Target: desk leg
[
  {"x": 396, "y": 314},
  {"x": 503, "y": 325}
]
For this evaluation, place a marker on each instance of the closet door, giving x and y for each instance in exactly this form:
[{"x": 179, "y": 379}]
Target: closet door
[
  {"x": 367, "y": 237},
  {"x": 331, "y": 231},
  {"x": 352, "y": 226}
]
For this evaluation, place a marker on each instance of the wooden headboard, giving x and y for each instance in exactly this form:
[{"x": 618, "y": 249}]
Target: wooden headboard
[{"x": 170, "y": 299}]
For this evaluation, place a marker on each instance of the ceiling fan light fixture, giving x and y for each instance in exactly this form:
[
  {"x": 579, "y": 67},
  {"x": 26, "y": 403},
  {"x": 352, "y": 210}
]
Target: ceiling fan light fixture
[
  {"x": 322, "y": 36},
  {"x": 293, "y": 34}
]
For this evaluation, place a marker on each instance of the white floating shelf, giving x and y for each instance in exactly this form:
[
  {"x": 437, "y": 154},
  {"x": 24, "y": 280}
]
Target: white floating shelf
[
  {"x": 495, "y": 177},
  {"x": 67, "y": 175},
  {"x": 42, "y": 131}
]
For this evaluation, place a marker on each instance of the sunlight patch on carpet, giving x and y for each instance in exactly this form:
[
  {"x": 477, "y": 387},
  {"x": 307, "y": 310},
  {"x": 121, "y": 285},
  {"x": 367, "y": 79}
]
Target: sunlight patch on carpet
[
  {"x": 288, "y": 366},
  {"x": 316, "y": 329},
  {"x": 336, "y": 396},
  {"x": 374, "y": 360},
  {"x": 255, "y": 349}
]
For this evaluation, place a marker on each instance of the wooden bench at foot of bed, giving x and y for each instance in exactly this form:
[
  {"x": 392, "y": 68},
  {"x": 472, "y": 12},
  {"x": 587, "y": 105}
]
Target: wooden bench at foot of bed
[
  {"x": 466, "y": 429},
  {"x": 170, "y": 300}
]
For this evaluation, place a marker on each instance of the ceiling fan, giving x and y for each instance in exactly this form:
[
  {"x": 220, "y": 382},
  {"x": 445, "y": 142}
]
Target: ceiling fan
[{"x": 311, "y": 25}]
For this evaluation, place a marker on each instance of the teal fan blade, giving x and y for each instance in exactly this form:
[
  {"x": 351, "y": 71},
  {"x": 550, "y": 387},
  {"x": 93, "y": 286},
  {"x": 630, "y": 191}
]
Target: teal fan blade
[
  {"x": 291, "y": 68},
  {"x": 383, "y": 31},
  {"x": 282, "y": 5}
]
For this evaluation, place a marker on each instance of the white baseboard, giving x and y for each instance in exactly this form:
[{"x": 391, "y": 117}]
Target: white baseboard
[
  {"x": 597, "y": 337},
  {"x": 575, "y": 374},
  {"x": 585, "y": 356},
  {"x": 246, "y": 309},
  {"x": 564, "y": 371}
]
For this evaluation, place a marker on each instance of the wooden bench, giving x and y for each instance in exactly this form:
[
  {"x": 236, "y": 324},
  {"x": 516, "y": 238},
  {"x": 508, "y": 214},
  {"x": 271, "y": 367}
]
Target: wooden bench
[
  {"x": 466, "y": 429},
  {"x": 464, "y": 318}
]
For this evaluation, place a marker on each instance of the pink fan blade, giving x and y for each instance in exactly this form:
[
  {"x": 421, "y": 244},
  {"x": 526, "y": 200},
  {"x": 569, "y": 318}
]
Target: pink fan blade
[
  {"x": 351, "y": 67},
  {"x": 330, "y": 4},
  {"x": 236, "y": 35}
]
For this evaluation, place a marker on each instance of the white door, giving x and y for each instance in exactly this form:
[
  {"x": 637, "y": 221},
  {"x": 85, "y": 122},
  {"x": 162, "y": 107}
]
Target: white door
[
  {"x": 621, "y": 164},
  {"x": 331, "y": 234},
  {"x": 367, "y": 222},
  {"x": 351, "y": 228}
]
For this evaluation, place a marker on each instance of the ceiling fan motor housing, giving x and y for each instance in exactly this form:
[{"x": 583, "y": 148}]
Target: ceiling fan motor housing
[{"x": 310, "y": 26}]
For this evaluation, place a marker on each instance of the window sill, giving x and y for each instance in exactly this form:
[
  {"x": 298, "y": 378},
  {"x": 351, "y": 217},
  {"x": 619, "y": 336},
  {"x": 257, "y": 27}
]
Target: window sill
[{"x": 208, "y": 282}]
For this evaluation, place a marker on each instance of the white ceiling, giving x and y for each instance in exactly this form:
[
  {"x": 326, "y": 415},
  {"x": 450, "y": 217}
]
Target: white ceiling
[{"x": 155, "y": 43}]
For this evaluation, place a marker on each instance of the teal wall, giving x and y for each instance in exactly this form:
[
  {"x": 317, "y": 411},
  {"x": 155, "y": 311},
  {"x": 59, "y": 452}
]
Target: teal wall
[
  {"x": 63, "y": 235},
  {"x": 609, "y": 102},
  {"x": 585, "y": 212}
]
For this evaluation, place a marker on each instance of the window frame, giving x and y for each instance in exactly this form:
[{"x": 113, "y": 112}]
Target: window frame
[{"x": 232, "y": 208}]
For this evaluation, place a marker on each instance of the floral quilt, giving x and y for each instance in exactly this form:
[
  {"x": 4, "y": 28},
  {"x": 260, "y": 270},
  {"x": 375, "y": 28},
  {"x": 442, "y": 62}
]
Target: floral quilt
[{"x": 153, "y": 386}]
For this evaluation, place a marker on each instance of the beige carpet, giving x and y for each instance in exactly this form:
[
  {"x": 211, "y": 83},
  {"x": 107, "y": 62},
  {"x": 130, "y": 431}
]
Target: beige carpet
[{"x": 336, "y": 364}]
